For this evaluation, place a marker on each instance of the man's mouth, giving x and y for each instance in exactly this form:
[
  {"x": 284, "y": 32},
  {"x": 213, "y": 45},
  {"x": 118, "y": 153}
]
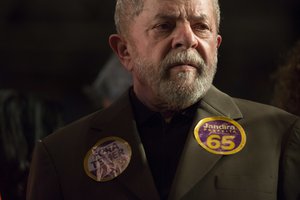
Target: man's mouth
[{"x": 183, "y": 66}]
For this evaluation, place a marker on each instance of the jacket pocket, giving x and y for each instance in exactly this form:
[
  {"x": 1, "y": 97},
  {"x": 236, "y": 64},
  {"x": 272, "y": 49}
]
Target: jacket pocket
[{"x": 246, "y": 183}]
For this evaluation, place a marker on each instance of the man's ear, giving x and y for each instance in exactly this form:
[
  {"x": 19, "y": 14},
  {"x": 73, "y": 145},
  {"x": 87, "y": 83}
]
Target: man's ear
[
  {"x": 219, "y": 40},
  {"x": 119, "y": 46}
]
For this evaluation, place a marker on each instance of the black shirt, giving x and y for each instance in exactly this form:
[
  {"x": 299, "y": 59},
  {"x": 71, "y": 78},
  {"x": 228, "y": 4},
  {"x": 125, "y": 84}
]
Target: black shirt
[{"x": 163, "y": 141}]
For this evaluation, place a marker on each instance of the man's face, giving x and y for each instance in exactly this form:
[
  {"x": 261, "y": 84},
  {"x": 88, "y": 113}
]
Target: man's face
[{"x": 173, "y": 47}]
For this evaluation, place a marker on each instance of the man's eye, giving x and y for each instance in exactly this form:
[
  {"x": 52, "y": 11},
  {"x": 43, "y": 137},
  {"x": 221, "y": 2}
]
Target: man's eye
[
  {"x": 164, "y": 27},
  {"x": 201, "y": 27}
]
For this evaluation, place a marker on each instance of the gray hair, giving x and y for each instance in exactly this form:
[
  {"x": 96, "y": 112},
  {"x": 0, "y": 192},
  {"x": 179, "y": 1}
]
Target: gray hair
[{"x": 127, "y": 10}]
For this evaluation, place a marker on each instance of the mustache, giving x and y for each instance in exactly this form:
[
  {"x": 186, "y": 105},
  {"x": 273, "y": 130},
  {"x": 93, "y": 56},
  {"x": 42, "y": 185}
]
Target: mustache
[{"x": 187, "y": 57}]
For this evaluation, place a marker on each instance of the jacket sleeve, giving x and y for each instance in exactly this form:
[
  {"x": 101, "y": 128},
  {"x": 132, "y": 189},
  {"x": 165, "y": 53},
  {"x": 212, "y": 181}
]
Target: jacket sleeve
[
  {"x": 43, "y": 181},
  {"x": 290, "y": 169}
]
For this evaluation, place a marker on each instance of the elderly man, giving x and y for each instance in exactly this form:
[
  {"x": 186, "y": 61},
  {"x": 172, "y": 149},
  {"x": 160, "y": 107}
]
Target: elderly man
[{"x": 172, "y": 135}]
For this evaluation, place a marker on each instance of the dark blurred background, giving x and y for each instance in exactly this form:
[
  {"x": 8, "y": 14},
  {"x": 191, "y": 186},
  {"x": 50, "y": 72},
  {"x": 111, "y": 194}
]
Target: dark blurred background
[{"x": 56, "y": 47}]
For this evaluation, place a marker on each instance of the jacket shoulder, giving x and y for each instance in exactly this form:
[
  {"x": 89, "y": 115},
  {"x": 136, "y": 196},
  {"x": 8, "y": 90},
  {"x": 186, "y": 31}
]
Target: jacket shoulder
[
  {"x": 264, "y": 112},
  {"x": 75, "y": 129},
  {"x": 78, "y": 130}
]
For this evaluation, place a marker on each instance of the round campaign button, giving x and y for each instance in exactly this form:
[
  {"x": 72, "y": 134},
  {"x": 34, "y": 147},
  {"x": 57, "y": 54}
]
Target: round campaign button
[
  {"x": 107, "y": 159},
  {"x": 220, "y": 135}
]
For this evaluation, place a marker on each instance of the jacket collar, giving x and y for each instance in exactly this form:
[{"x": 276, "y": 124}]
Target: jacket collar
[
  {"x": 195, "y": 162},
  {"x": 216, "y": 102}
]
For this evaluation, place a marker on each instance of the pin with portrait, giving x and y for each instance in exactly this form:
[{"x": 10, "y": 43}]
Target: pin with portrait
[{"x": 107, "y": 159}]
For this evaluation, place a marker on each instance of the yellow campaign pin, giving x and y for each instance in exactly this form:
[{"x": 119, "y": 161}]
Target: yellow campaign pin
[
  {"x": 107, "y": 159},
  {"x": 220, "y": 135}
]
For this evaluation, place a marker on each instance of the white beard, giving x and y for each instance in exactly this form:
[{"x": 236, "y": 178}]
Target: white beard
[{"x": 179, "y": 91}]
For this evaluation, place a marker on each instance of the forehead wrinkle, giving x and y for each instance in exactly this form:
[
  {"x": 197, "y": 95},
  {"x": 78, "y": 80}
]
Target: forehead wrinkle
[
  {"x": 202, "y": 11},
  {"x": 166, "y": 16},
  {"x": 184, "y": 9}
]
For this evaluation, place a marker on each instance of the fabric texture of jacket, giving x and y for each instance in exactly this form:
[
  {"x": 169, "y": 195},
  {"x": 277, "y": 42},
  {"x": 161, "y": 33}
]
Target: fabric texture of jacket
[{"x": 267, "y": 168}]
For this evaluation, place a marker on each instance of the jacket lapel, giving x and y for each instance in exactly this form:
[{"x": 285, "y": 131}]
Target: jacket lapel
[
  {"x": 195, "y": 161},
  {"x": 118, "y": 121}
]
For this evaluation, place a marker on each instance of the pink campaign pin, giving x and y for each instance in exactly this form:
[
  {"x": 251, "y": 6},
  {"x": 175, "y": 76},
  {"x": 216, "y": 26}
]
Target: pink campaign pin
[
  {"x": 220, "y": 135},
  {"x": 107, "y": 159}
]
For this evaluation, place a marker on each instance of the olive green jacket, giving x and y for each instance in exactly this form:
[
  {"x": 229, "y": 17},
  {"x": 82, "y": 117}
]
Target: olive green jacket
[{"x": 267, "y": 168}]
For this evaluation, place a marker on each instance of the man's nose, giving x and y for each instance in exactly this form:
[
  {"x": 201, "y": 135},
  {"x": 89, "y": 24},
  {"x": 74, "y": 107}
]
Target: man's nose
[{"x": 184, "y": 37}]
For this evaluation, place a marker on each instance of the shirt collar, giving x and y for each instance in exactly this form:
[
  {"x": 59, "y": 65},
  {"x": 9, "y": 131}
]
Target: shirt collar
[{"x": 143, "y": 113}]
